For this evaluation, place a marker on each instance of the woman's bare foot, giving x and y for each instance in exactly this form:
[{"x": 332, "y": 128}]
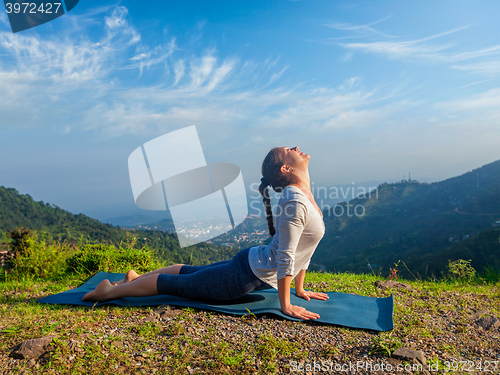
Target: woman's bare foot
[
  {"x": 129, "y": 276},
  {"x": 100, "y": 293}
]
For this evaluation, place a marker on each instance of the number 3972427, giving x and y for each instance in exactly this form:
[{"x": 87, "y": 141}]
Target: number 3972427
[{"x": 32, "y": 8}]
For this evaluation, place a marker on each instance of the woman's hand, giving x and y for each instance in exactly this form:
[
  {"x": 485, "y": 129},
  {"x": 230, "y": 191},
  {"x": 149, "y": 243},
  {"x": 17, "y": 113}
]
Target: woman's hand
[
  {"x": 299, "y": 312},
  {"x": 307, "y": 295}
]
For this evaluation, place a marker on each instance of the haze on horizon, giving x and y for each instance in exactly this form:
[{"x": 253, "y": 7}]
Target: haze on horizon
[{"x": 371, "y": 90}]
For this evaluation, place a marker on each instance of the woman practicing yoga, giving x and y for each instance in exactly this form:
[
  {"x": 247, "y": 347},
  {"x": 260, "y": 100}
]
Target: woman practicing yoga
[{"x": 299, "y": 228}]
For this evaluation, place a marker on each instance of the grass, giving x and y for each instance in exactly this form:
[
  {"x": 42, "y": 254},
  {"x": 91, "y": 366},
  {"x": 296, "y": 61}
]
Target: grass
[
  {"x": 434, "y": 317},
  {"x": 168, "y": 345}
]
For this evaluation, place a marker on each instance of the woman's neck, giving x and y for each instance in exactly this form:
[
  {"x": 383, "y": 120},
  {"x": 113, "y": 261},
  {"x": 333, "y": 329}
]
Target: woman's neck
[{"x": 303, "y": 182}]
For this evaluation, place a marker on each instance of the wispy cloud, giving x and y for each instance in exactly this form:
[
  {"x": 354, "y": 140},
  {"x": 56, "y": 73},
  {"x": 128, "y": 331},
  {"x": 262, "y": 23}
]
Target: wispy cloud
[
  {"x": 77, "y": 83},
  {"x": 156, "y": 56},
  {"x": 421, "y": 50},
  {"x": 117, "y": 23},
  {"x": 346, "y": 57},
  {"x": 489, "y": 68},
  {"x": 365, "y": 29},
  {"x": 276, "y": 76},
  {"x": 222, "y": 92},
  {"x": 472, "y": 84},
  {"x": 489, "y": 100},
  {"x": 401, "y": 50},
  {"x": 4, "y": 19},
  {"x": 178, "y": 71}
]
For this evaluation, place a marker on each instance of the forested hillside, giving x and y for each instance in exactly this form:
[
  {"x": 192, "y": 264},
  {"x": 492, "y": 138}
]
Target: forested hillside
[
  {"x": 18, "y": 210},
  {"x": 421, "y": 224}
]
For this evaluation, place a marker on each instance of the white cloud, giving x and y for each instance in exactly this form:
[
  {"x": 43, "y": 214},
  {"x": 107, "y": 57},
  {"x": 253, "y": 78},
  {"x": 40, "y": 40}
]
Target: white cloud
[
  {"x": 489, "y": 68},
  {"x": 118, "y": 25},
  {"x": 346, "y": 57},
  {"x": 158, "y": 55},
  {"x": 421, "y": 50},
  {"x": 489, "y": 100},
  {"x": 179, "y": 71},
  {"x": 401, "y": 50},
  {"x": 365, "y": 29},
  {"x": 277, "y": 75},
  {"x": 201, "y": 69},
  {"x": 76, "y": 83},
  {"x": 4, "y": 19},
  {"x": 69, "y": 60},
  {"x": 221, "y": 73}
]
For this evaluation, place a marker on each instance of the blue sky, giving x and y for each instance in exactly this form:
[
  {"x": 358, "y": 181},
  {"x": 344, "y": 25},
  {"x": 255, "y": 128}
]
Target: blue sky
[{"x": 370, "y": 89}]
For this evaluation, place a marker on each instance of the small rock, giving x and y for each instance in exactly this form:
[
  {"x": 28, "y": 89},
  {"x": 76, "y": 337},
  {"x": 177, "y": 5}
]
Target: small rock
[
  {"x": 118, "y": 344},
  {"x": 169, "y": 313},
  {"x": 73, "y": 345},
  {"x": 479, "y": 313},
  {"x": 394, "y": 362},
  {"x": 152, "y": 318},
  {"x": 392, "y": 284},
  {"x": 161, "y": 309},
  {"x": 407, "y": 354},
  {"x": 488, "y": 323},
  {"x": 258, "y": 363},
  {"x": 33, "y": 348}
]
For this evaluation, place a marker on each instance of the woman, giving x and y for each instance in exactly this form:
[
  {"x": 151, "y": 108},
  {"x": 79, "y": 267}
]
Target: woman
[{"x": 299, "y": 227}]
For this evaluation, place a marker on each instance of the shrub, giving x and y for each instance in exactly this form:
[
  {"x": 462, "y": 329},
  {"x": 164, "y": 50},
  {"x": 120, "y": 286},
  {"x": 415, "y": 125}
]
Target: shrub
[
  {"x": 93, "y": 258},
  {"x": 32, "y": 257},
  {"x": 20, "y": 239},
  {"x": 461, "y": 270}
]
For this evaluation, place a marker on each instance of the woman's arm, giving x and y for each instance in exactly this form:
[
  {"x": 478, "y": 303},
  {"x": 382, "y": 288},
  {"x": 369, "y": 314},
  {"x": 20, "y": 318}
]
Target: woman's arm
[
  {"x": 299, "y": 283},
  {"x": 291, "y": 224},
  {"x": 307, "y": 295},
  {"x": 286, "y": 307}
]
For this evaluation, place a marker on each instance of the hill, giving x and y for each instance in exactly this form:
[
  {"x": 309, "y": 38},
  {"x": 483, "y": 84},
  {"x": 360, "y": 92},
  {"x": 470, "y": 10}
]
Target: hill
[
  {"x": 18, "y": 210},
  {"x": 418, "y": 223}
]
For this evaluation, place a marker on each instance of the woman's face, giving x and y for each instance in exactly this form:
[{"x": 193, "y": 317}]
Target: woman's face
[{"x": 294, "y": 158}]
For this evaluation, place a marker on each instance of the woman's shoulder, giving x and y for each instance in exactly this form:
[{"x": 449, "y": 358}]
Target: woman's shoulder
[{"x": 292, "y": 195}]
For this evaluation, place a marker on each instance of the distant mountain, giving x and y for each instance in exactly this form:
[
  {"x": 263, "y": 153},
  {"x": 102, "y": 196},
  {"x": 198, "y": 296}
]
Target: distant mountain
[
  {"x": 18, "y": 210},
  {"x": 418, "y": 223}
]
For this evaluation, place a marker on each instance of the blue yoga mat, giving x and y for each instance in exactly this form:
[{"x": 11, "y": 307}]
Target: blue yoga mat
[{"x": 344, "y": 309}]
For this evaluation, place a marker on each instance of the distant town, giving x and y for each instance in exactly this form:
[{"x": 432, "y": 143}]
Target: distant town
[{"x": 252, "y": 231}]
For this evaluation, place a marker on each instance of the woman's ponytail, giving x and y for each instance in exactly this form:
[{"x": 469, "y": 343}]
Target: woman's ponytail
[
  {"x": 264, "y": 191},
  {"x": 271, "y": 170}
]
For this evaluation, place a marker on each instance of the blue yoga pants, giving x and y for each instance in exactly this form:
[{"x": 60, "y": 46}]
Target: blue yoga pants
[{"x": 225, "y": 280}]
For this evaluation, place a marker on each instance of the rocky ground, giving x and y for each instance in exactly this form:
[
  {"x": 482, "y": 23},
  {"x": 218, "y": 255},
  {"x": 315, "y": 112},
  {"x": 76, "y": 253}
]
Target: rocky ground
[{"x": 442, "y": 330}]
